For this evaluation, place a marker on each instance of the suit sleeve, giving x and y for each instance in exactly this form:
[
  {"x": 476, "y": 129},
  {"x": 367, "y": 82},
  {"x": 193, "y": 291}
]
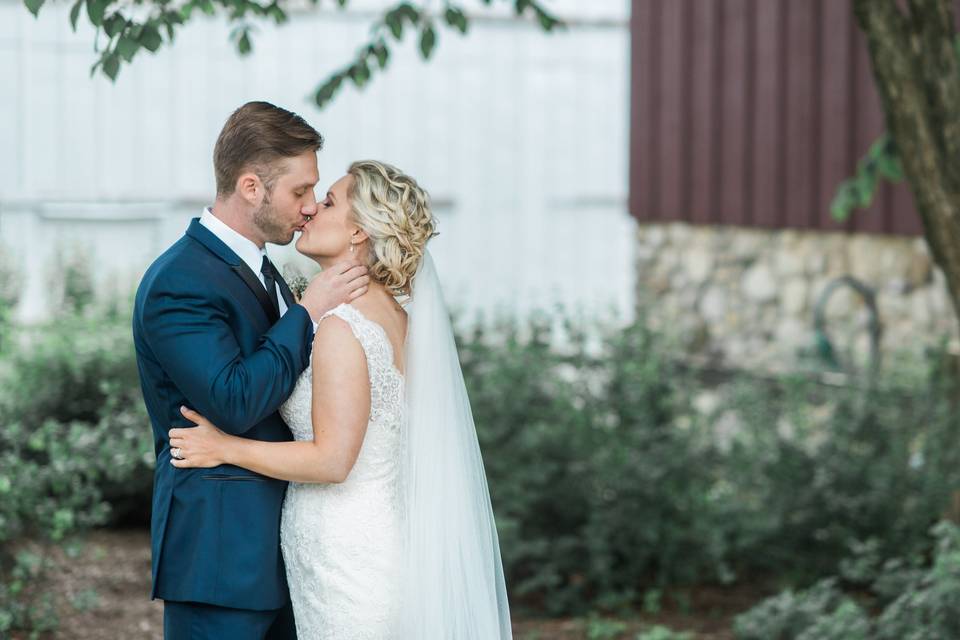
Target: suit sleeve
[{"x": 194, "y": 343}]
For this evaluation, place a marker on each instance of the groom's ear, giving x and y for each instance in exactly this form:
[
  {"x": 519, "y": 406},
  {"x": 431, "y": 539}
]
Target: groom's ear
[{"x": 250, "y": 187}]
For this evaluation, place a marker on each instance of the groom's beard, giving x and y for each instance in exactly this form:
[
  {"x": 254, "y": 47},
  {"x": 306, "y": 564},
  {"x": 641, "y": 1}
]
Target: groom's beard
[{"x": 265, "y": 218}]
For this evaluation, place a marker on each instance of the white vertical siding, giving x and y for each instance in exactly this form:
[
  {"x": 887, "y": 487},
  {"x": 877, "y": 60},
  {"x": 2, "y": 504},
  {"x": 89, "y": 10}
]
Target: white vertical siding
[{"x": 521, "y": 137}]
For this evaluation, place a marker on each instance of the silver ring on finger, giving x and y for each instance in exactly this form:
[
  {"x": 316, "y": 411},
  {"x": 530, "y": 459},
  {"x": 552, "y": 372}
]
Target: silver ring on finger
[{"x": 176, "y": 453}]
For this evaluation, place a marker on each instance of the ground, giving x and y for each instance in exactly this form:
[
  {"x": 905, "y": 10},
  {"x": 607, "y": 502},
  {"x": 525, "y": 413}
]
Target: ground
[{"x": 103, "y": 594}]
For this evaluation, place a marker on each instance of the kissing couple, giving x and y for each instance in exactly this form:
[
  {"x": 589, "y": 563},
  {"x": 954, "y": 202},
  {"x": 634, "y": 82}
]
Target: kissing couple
[{"x": 318, "y": 472}]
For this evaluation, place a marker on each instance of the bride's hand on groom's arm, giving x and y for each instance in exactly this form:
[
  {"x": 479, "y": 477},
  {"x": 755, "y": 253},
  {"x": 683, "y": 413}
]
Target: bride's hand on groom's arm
[
  {"x": 202, "y": 446},
  {"x": 343, "y": 282}
]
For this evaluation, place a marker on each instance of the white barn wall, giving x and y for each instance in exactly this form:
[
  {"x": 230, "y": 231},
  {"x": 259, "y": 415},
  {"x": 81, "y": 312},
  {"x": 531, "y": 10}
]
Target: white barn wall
[{"x": 521, "y": 138}]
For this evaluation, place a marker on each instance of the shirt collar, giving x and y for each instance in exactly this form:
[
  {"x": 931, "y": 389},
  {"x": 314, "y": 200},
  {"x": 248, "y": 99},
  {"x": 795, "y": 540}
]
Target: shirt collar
[{"x": 245, "y": 248}]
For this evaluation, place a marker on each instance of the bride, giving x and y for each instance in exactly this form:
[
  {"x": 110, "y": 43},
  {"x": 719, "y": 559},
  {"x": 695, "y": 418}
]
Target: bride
[{"x": 387, "y": 530}]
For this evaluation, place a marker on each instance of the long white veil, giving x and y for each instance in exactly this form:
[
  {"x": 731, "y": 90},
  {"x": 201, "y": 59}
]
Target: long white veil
[{"x": 454, "y": 587}]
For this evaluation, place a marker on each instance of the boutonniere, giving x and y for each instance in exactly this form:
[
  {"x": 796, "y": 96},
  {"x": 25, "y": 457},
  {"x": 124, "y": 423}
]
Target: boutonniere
[
  {"x": 296, "y": 281},
  {"x": 298, "y": 285}
]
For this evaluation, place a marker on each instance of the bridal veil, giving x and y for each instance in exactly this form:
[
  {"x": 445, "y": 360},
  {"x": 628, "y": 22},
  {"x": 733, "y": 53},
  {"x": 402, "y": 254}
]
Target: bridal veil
[{"x": 453, "y": 577}]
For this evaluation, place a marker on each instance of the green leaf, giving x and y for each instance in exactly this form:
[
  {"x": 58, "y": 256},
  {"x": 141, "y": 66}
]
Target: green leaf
[
  {"x": 127, "y": 47},
  {"x": 111, "y": 66},
  {"x": 890, "y": 168},
  {"x": 150, "y": 38},
  {"x": 866, "y": 187},
  {"x": 238, "y": 9},
  {"x": 359, "y": 73},
  {"x": 278, "y": 14},
  {"x": 456, "y": 19},
  {"x": 408, "y": 11},
  {"x": 547, "y": 22},
  {"x": 326, "y": 92},
  {"x": 75, "y": 13},
  {"x": 171, "y": 18},
  {"x": 114, "y": 24},
  {"x": 207, "y": 7},
  {"x": 882, "y": 161},
  {"x": 428, "y": 40},
  {"x": 847, "y": 198},
  {"x": 382, "y": 54},
  {"x": 95, "y": 11},
  {"x": 884, "y": 154},
  {"x": 244, "y": 46},
  {"x": 34, "y": 6},
  {"x": 395, "y": 23},
  {"x": 840, "y": 206}
]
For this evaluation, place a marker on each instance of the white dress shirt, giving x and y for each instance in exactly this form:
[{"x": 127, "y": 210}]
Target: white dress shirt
[{"x": 248, "y": 251}]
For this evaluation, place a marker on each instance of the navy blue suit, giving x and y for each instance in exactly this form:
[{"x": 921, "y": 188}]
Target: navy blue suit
[{"x": 207, "y": 337}]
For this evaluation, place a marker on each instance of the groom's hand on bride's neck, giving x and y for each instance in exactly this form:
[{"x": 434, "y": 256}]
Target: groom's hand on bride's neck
[{"x": 340, "y": 283}]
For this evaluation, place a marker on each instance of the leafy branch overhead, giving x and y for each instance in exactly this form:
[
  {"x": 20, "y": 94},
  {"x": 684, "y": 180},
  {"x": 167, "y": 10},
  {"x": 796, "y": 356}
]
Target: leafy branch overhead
[{"x": 123, "y": 29}]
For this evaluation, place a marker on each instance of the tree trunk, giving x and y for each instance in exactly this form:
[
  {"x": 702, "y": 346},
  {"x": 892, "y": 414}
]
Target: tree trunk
[{"x": 917, "y": 74}]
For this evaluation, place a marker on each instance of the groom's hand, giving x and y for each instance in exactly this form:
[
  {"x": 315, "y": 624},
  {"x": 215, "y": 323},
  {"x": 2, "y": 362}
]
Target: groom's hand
[{"x": 340, "y": 283}]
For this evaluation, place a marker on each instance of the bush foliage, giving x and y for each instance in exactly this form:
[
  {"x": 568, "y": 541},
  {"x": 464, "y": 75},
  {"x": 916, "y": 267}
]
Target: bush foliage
[{"x": 614, "y": 469}]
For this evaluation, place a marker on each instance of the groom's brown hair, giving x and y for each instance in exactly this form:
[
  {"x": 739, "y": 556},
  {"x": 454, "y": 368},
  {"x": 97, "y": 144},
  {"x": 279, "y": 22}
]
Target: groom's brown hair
[{"x": 256, "y": 137}]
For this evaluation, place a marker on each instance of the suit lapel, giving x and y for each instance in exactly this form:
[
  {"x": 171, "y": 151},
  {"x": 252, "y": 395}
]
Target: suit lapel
[
  {"x": 216, "y": 246},
  {"x": 285, "y": 292},
  {"x": 253, "y": 282}
]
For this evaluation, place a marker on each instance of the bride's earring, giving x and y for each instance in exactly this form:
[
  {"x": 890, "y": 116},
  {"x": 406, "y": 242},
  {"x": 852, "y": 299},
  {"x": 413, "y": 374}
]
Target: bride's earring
[{"x": 351, "y": 247}]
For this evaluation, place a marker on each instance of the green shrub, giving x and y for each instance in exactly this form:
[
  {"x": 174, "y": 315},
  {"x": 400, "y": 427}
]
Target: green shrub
[
  {"x": 75, "y": 436},
  {"x": 75, "y": 445},
  {"x": 598, "y": 628},
  {"x": 597, "y": 492},
  {"x": 607, "y": 481},
  {"x": 817, "y": 469},
  {"x": 823, "y": 609},
  {"x": 659, "y": 632},
  {"x": 22, "y": 604},
  {"x": 610, "y": 476},
  {"x": 929, "y": 605},
  {"x": 925, "y": 606},
  {"x": 9, "y": 296}
]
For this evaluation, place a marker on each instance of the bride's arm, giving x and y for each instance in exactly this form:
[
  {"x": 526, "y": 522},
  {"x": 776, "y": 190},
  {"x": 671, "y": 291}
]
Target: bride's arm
[{"x": 340, "y": 412}]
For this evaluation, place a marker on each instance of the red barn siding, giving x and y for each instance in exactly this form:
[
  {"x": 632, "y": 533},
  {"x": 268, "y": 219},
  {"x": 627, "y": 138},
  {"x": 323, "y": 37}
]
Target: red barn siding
[{"x": 751, "y": 112}]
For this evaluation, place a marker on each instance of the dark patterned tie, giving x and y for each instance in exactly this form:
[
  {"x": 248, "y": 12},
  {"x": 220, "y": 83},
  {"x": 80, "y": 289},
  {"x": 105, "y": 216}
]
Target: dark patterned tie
[{"x": 270, "y": 282}]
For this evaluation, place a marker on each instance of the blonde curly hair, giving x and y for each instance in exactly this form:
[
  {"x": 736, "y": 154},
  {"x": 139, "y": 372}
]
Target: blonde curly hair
[{"x": 394, "y": 212}]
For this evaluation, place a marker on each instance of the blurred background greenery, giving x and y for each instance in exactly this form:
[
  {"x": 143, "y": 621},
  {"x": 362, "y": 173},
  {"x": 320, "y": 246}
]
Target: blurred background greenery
[{"x": 623, "y": 478}]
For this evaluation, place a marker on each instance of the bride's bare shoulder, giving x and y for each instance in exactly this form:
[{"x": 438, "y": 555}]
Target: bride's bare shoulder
[
  {"x": 381, "y": 307},
  {"x": 334, "y": 344}
]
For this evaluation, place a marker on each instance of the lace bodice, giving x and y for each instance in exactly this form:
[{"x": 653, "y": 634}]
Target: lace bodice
[
  {"x": 386, "y": 382},
  {"x": 341, "y": 542}
]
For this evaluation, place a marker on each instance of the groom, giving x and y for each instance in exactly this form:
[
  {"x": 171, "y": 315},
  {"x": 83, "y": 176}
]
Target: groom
[{"x": 217, "y": 329}]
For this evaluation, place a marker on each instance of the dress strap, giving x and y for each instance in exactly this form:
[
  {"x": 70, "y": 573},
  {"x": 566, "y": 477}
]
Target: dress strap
[{"x": 371, "y": 336}]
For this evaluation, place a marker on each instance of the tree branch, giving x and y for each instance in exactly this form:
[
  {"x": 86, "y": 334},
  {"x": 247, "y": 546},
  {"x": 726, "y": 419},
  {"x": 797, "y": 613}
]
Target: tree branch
[
  {"x": 131, "y": 28},
  {"x": 933, "y": 46},
  {"x": 915, "y": 68}
]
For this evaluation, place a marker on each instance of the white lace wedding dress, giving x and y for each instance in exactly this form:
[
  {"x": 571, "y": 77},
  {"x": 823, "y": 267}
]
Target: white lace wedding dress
[{"x": 342, "y": 542}]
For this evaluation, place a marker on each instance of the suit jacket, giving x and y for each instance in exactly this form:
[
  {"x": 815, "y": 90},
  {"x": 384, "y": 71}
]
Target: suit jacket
[{"x": 207, "y": 337}]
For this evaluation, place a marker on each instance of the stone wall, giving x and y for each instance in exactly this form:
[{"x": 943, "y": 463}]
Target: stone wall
[{"x": 745, "y": 297}]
